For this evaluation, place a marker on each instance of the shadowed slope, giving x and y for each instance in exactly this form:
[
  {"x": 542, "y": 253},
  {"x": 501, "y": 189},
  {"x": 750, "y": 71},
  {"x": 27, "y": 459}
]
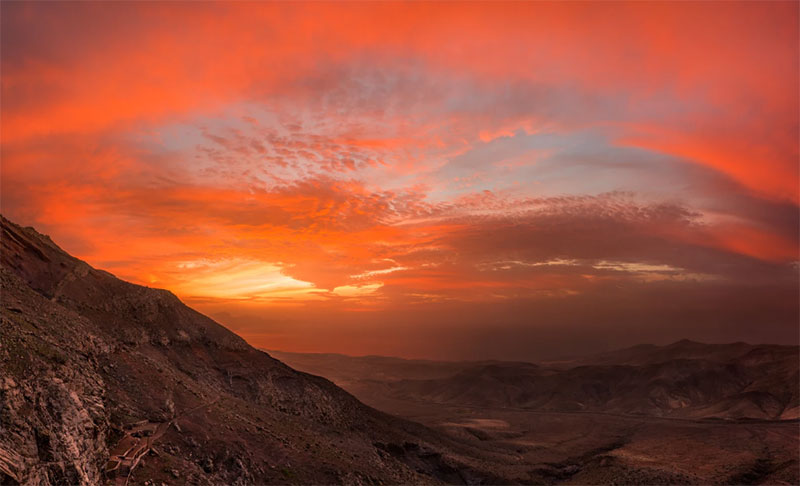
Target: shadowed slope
[{"x": 84, "y": 355}]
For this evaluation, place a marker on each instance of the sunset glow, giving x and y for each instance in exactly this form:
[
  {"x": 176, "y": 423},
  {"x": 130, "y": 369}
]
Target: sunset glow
[{"x": 373, "y": 177}]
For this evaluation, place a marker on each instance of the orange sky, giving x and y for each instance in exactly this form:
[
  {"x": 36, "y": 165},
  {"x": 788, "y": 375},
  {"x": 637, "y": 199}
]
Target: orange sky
[{"x": 420, "y": 179}]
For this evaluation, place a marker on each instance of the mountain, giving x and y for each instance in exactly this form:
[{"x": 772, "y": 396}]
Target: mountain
[
  {"x": 685, "y": 413},
  {"x": 103, "y": 380},
  {"x": 346, "y": 370},
  {"x": 687, "y": 380},
  {"x": 643, "y": 354}
]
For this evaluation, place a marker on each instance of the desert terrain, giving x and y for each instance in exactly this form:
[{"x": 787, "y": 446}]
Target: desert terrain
[{"x": 741, "y": 430}]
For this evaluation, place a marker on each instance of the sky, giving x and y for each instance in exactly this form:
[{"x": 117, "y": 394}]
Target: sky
[{"x": 440, "y": 180}]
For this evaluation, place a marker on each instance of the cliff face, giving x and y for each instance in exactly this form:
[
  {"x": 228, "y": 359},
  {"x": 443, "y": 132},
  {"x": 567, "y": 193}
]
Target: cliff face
[
  {"x": 53, "y": 415},
  {"x": 101, "y": 377}
]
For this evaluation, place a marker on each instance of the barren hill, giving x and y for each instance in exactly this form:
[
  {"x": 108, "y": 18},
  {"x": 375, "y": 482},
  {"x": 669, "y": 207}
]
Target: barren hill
[
  {"x": 103, "y": 380},
  {"x": 685, "y": 379},
  {"x": 747, "y": 387}
]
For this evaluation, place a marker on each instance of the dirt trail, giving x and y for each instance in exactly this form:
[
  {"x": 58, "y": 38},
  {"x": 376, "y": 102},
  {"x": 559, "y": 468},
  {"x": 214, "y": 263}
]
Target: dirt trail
[{"x": 139, "y": 439}]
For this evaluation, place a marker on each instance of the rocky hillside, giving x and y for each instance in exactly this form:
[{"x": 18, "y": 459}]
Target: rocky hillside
[{"x": 105, "y": 381}]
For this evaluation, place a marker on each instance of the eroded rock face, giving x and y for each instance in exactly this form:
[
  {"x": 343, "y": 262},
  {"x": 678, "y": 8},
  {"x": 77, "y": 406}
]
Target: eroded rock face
[{"x": 52, "y": 411}]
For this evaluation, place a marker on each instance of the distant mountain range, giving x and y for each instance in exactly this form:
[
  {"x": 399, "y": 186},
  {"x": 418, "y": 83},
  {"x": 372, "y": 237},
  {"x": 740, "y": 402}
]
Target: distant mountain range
[{"x": 685, "y": 379}]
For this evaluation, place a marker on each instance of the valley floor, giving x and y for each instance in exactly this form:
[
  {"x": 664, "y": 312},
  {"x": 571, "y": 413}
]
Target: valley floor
[{"x": 593, "y": 448}]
